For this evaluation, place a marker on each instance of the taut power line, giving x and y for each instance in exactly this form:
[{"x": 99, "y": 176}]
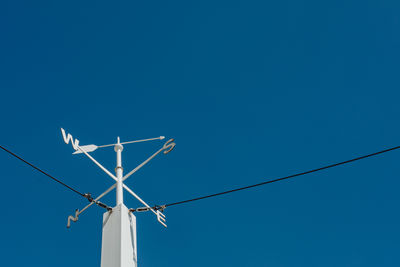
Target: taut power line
[
  {"x": 281, "y": 178},
  {"x": 45, "y": 173},
  {"x": 119, "y": 246},
  {"x": 162, "y": 207},
  {"x": 88, "y": 196}
]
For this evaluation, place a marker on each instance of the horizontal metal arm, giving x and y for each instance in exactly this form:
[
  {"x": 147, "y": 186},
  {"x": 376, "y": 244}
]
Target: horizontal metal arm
[{"x": 136, "y": 141}]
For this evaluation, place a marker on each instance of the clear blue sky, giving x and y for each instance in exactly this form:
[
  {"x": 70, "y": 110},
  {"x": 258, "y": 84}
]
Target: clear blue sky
[{"x": 250, "y": 90}]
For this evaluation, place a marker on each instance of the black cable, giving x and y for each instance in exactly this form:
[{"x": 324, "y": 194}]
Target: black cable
[
  {"x": 45, "y": 173},
  {"x": 87, "y": 195},
  {"x": 283, "y": 178}
]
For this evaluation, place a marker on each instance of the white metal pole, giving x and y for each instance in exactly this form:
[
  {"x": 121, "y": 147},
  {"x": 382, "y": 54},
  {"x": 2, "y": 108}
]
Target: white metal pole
[
  {"x": 119, "y": 227},
  {"x": 119, "y": 172}
]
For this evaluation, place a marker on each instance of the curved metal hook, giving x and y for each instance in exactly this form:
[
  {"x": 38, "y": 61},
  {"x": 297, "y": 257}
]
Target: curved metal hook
[{"x": 168, "y": 146}]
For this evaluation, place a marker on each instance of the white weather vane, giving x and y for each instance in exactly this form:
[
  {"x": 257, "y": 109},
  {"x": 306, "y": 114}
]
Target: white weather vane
[{"x": 119, "y": 179}]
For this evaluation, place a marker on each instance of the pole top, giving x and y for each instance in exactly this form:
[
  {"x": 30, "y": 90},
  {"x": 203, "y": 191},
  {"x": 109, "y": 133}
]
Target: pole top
[{"x": 118, "y": 146}]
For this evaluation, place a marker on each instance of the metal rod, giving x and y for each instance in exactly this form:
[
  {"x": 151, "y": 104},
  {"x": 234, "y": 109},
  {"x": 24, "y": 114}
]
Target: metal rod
[
  {"x": 98, "y": 164},
  {"x": 98, "y": 198},
  {"x": 142, "y": 164},
  {"x": 136, "y": 141},
  {"x": 138, "y": 198},
  {"x": 118, "y": 171}
]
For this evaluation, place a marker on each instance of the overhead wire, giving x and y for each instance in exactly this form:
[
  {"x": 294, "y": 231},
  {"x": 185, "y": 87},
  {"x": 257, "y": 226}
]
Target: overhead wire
[
  {"x": 278, "y": 179},
  {"x": 162, "y": 207},
  {"x": 85, "y": 195}
]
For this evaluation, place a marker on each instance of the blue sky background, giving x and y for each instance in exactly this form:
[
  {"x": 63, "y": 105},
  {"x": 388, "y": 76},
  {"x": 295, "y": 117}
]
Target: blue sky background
[{"x": 250, "y": 90}]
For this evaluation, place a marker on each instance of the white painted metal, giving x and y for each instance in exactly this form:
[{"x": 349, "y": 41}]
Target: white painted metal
[
  {"x": 138, "y": 198},
  {"x": 73, "y": 218},
  {"x": 68, "y": 138},
  {"x": 119, "y": 225},
  {"x": 167, "y": 147},
  {"x": 119, "y": 245},
  {"x": 75, "y": 145},
  {"x": 88, "y": 148},
  {"x": 144, "y": 140},
  {"x": 98, "y": 164},
  {"x": 161, "y": 218},
  {"x": 119, "y": 171},
  {"x": 91, "y": 148},
  {"x": 160, "y": 215},
  {"x": 136, "y": 141},
  {"x": 99, "y": 197}
]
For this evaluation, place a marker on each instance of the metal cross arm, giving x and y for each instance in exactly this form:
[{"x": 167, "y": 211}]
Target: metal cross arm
[
  {"x": 118, "y": 177},
  {"x": 160, "y": 215},
  {"x": 98, "y": 164},
  {"x": 91, "y": 148},
  {"x": 119, "y": 222},
  {"x": 76, "y": 147},
  {"x": 79, "y": 212},
  {"x": 167, "y": 147},
  {"x": 138, "y": 198},
  {"x": 98, "y": 198}
]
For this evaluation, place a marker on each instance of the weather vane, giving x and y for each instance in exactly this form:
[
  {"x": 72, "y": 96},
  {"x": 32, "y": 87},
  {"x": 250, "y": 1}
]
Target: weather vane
[{"x": 119, "y": 223}]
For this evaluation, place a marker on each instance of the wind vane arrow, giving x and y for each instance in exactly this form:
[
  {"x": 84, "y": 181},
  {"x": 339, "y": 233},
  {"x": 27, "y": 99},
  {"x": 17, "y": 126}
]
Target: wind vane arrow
[{"x": 91, "y": 148}]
